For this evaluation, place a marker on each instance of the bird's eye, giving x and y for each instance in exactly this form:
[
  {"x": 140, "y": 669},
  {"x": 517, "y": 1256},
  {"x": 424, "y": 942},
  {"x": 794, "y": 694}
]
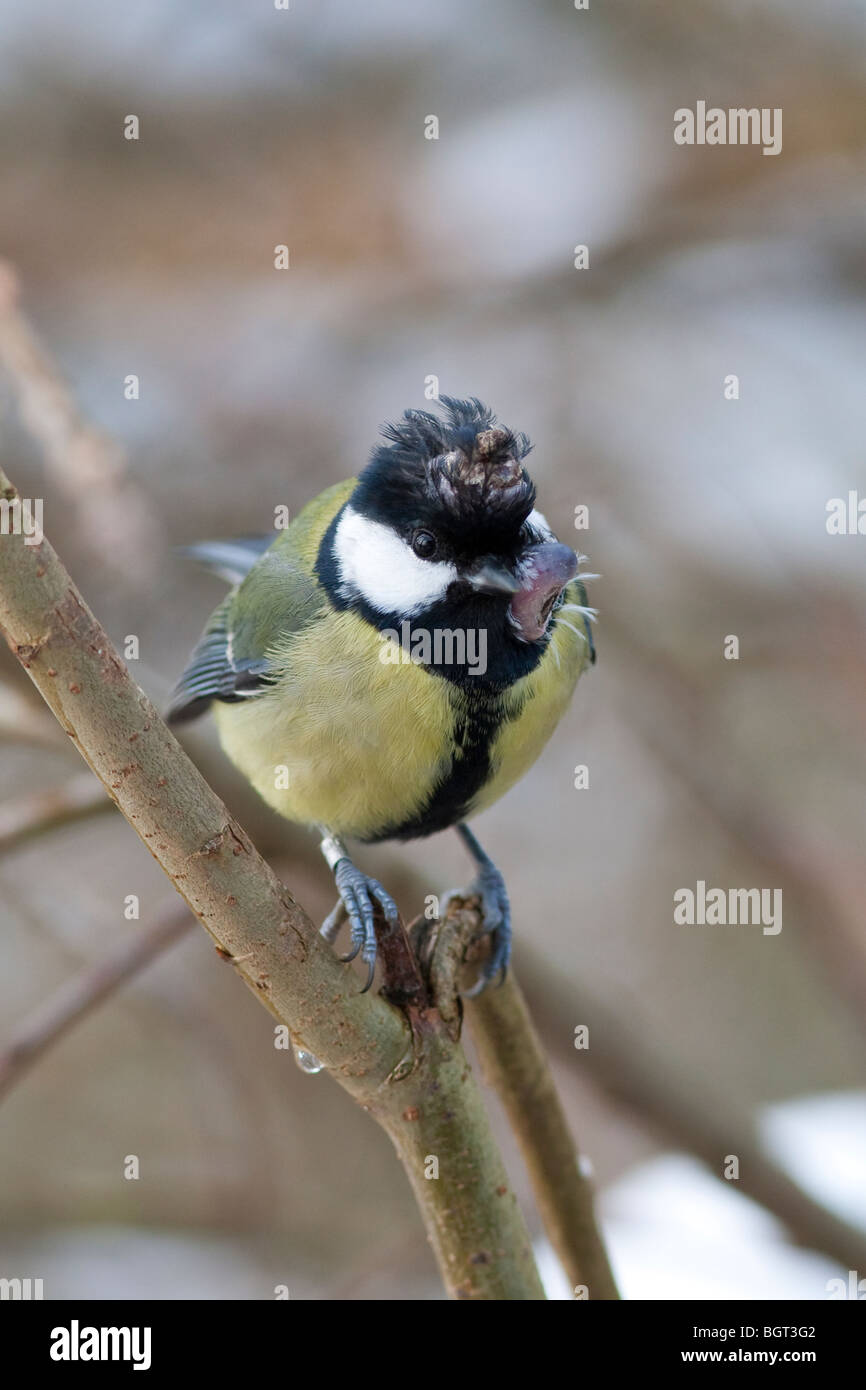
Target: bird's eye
[{"x": 424, "y": 544}]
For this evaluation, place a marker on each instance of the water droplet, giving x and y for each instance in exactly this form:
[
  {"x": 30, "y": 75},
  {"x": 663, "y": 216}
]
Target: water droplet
[{"x": 306, "y": 1061}]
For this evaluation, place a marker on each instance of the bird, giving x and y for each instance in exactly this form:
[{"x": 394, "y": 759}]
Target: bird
[{"x": 392, "y": 661}]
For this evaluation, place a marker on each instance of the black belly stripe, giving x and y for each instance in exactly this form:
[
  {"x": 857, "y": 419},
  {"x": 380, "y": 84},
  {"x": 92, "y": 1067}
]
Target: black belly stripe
[{"x": 474, "y": 731}]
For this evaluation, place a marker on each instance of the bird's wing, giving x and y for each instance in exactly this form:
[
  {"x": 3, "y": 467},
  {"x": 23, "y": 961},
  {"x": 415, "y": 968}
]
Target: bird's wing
[
  {"x": 230, "y": 661},
  {"x": 214, "y": 671},
  {"x": 277, "y": 593}
]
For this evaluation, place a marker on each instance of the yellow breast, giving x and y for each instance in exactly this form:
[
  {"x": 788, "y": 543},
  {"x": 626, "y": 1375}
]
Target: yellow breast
[
  {"x": 343, "y": 739},
  {"x": 358, "y": 744}
]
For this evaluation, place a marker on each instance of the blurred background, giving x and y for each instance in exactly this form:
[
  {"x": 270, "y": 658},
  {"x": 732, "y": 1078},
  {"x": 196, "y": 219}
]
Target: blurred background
[{"x": 453, "y": 258}]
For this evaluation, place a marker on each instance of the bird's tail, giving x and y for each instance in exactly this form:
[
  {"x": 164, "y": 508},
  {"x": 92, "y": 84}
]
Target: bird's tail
[{"x": 231, "y": 560}]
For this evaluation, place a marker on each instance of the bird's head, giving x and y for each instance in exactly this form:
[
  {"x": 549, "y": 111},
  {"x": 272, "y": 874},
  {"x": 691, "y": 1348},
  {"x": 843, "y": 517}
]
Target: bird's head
[{"x": 442, "y": 526}]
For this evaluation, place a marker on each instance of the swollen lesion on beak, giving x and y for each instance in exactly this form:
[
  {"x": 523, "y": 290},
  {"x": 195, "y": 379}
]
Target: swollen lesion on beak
[{"x": 544, "y": 571}]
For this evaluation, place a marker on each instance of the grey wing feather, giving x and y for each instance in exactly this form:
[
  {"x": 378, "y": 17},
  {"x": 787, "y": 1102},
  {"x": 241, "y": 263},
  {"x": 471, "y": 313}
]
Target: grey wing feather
[
  {"x": 281, "y": 596},
  {"x": 213, "y": 673}
]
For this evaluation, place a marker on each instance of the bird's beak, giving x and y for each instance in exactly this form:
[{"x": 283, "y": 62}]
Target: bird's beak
[
  {"x": 542, "y": 572},
  {"x": 490, "y": 577},
  {"x": 534, "y": 583}
]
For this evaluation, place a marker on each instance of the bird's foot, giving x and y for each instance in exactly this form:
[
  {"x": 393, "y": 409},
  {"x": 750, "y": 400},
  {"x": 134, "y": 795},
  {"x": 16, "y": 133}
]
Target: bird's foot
[
  {"x": 359, "y": 894},
  {"x": 489, "y": 886}
]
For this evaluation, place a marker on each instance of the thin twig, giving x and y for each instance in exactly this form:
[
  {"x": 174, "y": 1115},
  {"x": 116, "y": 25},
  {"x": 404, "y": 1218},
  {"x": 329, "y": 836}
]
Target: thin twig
[
  {"x": 79, "y": 996},
  {"x": 516, "y": 1067},
  {"x": 22, "y": 721},
  {"x": 112, "y": 514},
  {"x": 830, "y": 880},
  {"x": 79, "y": 798}
]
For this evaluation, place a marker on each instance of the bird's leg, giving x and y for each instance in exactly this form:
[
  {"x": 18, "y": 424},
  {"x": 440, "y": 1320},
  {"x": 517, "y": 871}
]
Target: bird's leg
[
  {"x": 358, "y": 895},
  {"x": 496, "y": 911}
]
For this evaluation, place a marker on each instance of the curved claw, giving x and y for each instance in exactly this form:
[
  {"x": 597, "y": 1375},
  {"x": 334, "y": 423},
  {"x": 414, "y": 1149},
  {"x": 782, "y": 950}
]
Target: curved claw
[
  {"x": 359, "y": 895},
  {"x": 489, "y": 886},
  {"x": 478, "y": 988},
  {"x": 486, "y": 976}
]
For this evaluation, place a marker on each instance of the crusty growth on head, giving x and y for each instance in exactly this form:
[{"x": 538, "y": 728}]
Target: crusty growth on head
[
  {"x": 486, "y": 467},
  {"x": 461, "y": 463}
]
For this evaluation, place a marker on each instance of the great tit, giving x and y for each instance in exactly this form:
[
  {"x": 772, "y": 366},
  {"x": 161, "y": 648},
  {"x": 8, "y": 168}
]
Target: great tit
[{"x": 398, "y": 656}]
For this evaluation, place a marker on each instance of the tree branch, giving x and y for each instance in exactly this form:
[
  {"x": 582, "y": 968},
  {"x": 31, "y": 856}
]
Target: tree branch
[
  {"x": 674, "y": 1112},
  {"x": 516, "y": 1067}
]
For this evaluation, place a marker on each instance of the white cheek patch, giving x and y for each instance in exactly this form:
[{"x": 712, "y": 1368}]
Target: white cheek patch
[{"x": 376, "y": 564}]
